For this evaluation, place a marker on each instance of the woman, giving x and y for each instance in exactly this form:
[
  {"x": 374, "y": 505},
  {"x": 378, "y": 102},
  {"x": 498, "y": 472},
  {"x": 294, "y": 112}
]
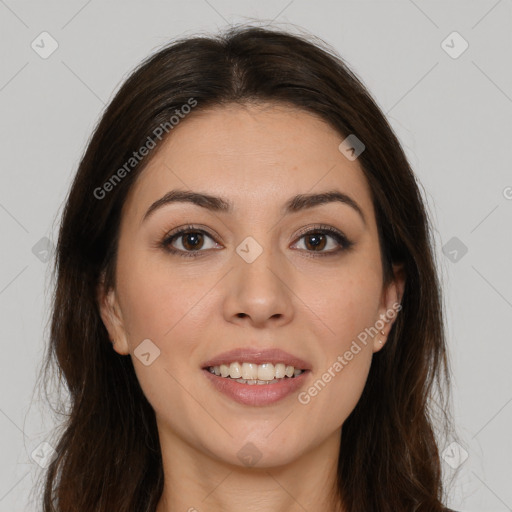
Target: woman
[{"x": 246, "y": 231}]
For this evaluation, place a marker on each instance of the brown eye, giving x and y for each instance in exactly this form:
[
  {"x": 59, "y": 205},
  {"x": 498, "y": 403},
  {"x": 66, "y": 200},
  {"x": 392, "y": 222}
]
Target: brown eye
[
  {"x": 315, "y": 241},
  {"x": 188, "y": 241},
  {"x": 324, "y": 240},
  {"x": 192, "y": 240}
]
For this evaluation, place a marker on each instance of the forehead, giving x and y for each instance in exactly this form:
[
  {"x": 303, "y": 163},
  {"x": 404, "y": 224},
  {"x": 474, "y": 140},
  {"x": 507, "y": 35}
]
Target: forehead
[{"x": 253, "y": 155}]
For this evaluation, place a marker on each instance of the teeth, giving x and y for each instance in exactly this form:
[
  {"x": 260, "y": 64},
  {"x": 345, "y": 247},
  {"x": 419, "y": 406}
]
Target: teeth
[
  {"x": 266, "y": 371},
  {"x": 235, "y": 371},
  {"x": 250, "y": 373},
  {"x": 252, "y": 381}
]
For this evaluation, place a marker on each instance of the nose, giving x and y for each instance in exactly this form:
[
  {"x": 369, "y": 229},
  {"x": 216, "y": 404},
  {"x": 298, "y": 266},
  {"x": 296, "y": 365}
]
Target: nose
[{"x": 259, "y": 293}]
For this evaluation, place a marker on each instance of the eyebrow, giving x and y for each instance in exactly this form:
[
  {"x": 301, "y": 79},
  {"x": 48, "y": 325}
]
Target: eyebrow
[{"x": 218, "y": 204}]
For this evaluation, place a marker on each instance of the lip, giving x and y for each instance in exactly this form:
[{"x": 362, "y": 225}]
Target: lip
[
  {"x": 257, "y": 356},
  {"x": 256, "y": 394}
]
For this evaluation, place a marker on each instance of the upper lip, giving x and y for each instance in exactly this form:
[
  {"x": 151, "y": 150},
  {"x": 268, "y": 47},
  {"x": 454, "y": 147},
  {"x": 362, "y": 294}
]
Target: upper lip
[{"x": 257, "y": 356}]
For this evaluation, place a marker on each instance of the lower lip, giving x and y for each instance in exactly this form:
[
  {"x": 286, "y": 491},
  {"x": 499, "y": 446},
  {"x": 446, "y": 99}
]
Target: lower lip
[{"x": 256, "y": 394}]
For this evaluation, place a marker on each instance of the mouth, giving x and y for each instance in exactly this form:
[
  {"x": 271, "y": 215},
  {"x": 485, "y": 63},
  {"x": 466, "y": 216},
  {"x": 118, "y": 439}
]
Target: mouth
[
  {"x": 255, "y": 374},
  {"x": 256, "y": 377}
]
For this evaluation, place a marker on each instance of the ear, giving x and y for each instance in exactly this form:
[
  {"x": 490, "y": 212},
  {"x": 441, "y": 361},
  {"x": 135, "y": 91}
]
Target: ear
[
  {"x": 390, "y": 306},
  {"x": 110, "y": 313}
]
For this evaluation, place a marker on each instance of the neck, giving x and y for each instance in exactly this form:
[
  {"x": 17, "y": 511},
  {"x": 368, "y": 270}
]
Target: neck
[{"x": 195, "y": 481}]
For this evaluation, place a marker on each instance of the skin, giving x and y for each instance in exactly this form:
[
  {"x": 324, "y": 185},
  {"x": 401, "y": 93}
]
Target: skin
[{"x": 313, "y": 307}]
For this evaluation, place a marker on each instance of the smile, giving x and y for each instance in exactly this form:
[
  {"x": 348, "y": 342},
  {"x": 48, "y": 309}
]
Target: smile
[
  {"x": 256, "y": 392},
  {"x": 250, "y": 373}
]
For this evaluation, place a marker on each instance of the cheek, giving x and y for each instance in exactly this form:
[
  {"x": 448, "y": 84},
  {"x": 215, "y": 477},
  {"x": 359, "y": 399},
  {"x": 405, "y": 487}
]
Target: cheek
[
  {"x": 158, "y": 299},
  {"x": 170, "y": 308},
  {"x": 346, "y": 302}
]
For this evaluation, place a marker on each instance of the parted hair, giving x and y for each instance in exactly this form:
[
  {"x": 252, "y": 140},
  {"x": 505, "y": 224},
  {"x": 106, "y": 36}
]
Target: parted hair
[{"x": 107, "y": 446}]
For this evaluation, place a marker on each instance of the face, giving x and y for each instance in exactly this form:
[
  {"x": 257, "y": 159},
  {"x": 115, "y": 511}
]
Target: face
[{"x": 305, "y": 279}]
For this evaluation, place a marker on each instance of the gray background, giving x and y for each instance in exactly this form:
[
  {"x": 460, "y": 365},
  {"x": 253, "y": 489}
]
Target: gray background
[{"x": 452, "y": 116}]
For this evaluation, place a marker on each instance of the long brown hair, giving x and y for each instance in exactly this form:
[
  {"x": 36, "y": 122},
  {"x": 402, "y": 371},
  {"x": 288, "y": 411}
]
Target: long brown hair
[{"x": 108, "y": 453}]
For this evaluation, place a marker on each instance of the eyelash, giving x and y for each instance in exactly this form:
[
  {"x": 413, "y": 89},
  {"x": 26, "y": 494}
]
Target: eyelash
[{"x": 338, "y": 236}]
